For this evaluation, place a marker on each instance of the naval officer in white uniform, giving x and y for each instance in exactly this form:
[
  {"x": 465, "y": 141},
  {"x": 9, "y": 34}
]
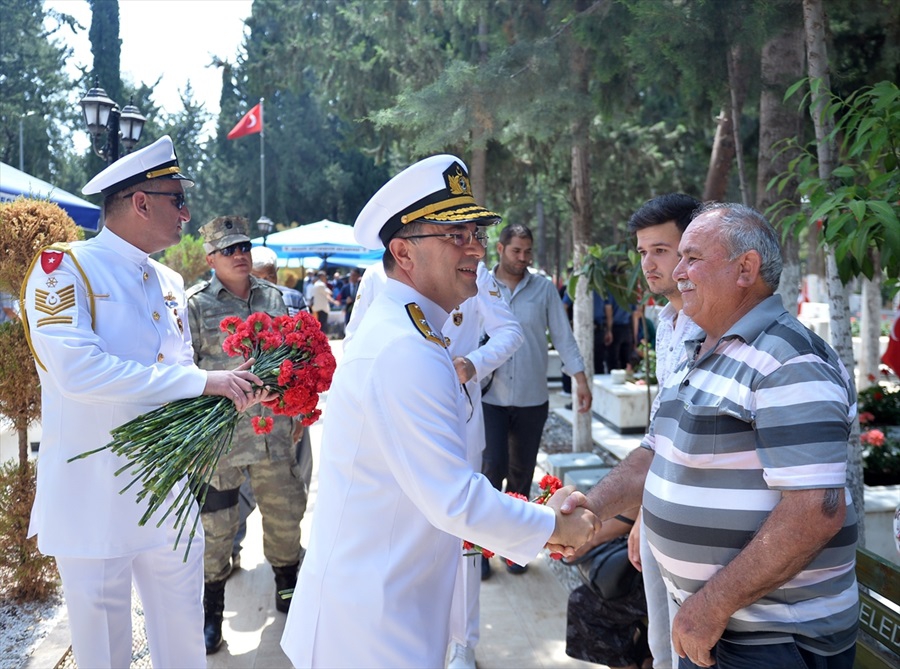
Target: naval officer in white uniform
[
  {"x": 396, "y": 491},
  {"x": 486, "y": 316},
  {"x": 109, "y": 331}
]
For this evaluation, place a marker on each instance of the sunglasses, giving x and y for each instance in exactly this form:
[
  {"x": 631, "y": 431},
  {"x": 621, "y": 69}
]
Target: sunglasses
[
  {"x": 243, "y": 247},
  {"x": 178, "y": 197}
]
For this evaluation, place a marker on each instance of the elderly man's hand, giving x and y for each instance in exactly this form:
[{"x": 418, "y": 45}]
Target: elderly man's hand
[
  {"x": 634, "y": 544},
  {"x": 575, "y": 528},
  {"x": 697, "y": 627}
]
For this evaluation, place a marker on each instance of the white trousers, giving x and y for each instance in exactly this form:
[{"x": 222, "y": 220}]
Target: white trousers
[
  {"x": 98, "y": 599},
  {"x": 660, "y": 608},
  {"x": 464, "y": 607}
]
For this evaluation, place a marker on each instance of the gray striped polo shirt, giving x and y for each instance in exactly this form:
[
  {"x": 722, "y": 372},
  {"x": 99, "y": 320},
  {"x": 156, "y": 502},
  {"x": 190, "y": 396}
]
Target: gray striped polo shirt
[{"x": 769, "y": 409}]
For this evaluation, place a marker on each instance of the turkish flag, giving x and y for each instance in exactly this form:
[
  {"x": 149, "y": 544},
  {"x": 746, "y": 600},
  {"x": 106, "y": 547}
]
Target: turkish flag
[
  {"x": 251, "y": 123},
  {"x": 891, "y": 356},
  {"x": 50, "y": 260}
]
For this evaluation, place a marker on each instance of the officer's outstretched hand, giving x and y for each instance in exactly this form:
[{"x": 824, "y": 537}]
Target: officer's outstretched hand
[
  {"x": 574, "y": 528},
  {"x": 241, "y": 386}
]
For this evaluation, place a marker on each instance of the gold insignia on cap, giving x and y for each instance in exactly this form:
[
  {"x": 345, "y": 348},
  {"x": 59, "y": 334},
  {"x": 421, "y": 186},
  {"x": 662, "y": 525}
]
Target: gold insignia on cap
[
  {"x": 163, "y": 172},
  {"x": 458, "y": 182},
  {"x": 417, "y": 316}
]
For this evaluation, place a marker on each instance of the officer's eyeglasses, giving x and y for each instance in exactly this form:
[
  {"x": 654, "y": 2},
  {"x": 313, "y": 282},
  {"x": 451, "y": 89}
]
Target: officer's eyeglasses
[
  {"x": 459, "y": 238},
  {"x": 243, "y": 247},
  {"x": 178, "y": 197}
]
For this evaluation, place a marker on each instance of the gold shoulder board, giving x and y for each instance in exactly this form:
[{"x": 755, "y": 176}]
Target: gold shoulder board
[{"x": 414, "y": 311}]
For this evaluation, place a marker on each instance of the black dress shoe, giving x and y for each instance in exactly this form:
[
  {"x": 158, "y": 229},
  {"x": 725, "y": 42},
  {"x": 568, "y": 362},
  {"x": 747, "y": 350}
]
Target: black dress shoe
[{"x": 516, "y": 569}]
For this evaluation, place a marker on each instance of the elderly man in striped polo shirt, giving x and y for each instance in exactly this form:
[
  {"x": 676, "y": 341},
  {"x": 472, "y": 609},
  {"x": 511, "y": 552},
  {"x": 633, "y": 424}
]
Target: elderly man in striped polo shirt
[{"x": 743, "y": 473}]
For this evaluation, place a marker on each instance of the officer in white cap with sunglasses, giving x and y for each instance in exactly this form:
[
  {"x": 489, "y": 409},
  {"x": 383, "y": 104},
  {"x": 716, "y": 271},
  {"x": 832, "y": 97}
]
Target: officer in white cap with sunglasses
[
  {"x": 397, "y": 495},
  {"x": 109, "y": 331}
]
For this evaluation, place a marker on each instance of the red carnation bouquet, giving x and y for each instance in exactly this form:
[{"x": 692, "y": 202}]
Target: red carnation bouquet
[
  {"x": 187, "y": 437},
  {"x": 549, "y": 484}
]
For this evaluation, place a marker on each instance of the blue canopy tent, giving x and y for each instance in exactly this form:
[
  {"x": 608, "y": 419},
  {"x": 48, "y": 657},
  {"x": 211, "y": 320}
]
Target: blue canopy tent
[
  {"x": 326, "y": 240},
  {"x": 14, "y": 183}
]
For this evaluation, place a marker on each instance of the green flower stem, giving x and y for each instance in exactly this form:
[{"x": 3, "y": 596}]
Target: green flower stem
[{"x": 184, "y": 441}]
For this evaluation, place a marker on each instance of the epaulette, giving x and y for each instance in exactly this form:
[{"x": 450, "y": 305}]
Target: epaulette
[
  {"x": 58, "y": 248},
  {"x": 198, "y": 287},
  {"x": 414, "y": 311},
  {"x": 496, "y": 291}
]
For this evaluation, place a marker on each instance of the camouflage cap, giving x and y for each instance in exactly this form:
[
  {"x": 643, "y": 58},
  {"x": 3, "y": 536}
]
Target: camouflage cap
[{"x": 223, "y": 231}]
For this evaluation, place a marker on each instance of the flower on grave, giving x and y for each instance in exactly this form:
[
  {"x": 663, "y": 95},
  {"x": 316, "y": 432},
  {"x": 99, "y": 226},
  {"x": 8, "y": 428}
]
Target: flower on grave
[
  {"x": 881, "y": 457},
  {"x": 872, "y": 438},
  {"x": 185, "y": 439},
  {"x": 548, "y": 486},
  {"x": 882, "y": 402}
]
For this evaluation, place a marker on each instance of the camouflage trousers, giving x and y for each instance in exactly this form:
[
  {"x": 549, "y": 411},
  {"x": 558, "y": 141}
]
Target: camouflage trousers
[{"x": 281, "y": 495}]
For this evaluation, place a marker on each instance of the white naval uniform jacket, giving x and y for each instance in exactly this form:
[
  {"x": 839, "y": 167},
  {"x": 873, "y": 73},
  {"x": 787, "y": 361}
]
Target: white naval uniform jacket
[
  {"x": 485, "y": 313},
  {"x": 396, "y": 495},
  {"x": 131, "y": 357}
]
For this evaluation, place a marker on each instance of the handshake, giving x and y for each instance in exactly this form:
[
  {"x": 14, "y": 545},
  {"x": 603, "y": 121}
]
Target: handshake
[{"x": 576, "y": 524}]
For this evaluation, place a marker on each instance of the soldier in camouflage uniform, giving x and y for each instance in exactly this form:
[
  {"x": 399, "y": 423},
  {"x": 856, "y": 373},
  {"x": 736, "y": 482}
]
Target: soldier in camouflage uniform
[{"x": 268, "y": 459}]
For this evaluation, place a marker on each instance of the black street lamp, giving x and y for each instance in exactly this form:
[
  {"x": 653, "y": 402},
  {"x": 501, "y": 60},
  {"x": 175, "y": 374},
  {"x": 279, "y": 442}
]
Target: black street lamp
[
  {"x": 103, "y": 117},
  {"x": 265, "y": 225}
]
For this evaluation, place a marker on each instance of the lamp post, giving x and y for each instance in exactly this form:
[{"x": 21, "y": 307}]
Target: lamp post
[
  {"x": 103, "y": 117},
  {"x": 265, "y": 225}
]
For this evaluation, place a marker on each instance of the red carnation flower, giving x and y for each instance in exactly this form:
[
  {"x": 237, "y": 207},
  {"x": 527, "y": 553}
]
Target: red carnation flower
[{"x": 262, "y": 424}]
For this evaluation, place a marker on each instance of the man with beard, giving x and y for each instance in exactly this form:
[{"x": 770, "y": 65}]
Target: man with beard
[{"x": 517, "y": 404}]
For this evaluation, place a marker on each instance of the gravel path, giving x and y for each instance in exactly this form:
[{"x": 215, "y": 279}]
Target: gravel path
[{"x": 23, "y": 627}]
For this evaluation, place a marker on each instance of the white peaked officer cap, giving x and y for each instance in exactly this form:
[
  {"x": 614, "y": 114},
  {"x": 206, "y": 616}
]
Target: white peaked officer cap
[
  {"x": 157, "y": 161},
  {"x": 435, "y": 190}
]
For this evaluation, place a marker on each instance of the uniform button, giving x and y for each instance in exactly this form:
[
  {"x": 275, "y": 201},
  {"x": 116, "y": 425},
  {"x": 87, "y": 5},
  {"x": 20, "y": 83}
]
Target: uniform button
[
  {"x": 156, "y": 315},
  {"x": 160, "y": 357},
  {"x": 146, "y": 276}
]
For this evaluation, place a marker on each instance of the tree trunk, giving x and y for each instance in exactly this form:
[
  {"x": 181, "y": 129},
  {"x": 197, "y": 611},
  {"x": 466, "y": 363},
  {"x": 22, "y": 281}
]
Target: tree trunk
[
  {"x": 541, "y": 227},
  {"x": 815, "y": 265},
  {"x": 870, "y": 326},
  {"x": 817, "y": 59},
  {"x": 22, "y": 434},
  {"x": 721, "y": 158},
  {"x": 583, "y": 215},
  {"x": 478, "y": 165},
  {"x": 781, "y": 64},
  {"x": 737, "y": 84}
]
